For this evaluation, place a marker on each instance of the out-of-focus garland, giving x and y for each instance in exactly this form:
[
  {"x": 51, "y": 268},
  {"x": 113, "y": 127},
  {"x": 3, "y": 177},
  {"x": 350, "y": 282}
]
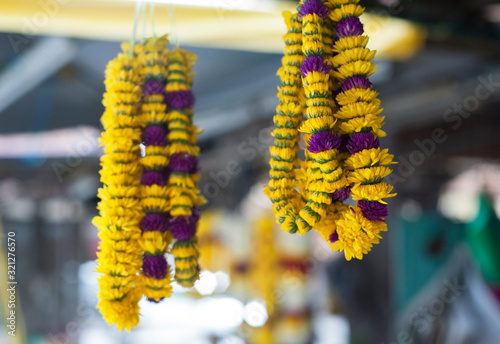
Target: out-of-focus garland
[
  {"x": 184, "y": 167},
  {"x": 119, "y": 256},
  {"x": 155, "y": 274},
  {"x": 341, "y": 124},
  {"x": 147, "y": 202}
]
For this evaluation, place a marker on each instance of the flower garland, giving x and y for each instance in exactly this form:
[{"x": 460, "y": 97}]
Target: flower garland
[
  {"x": 184, "y": 167},
  {"x": 341, "y": 126},
  {"x": 155, "y": 274},
  {"x": 147, "y": 202},
  {"x": 119, "y": 258}
]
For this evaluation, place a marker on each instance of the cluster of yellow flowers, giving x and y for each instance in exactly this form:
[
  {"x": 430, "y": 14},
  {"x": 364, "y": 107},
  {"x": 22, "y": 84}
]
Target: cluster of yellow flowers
[
  {"x": 147, "y": 201},
  {"x": 325, "y": 93},
  {"x": 119, "y": 256}
]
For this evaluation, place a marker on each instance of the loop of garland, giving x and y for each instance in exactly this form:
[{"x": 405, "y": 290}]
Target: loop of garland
[
  {"x": 147, "y": 202},
  {"x": 184, "y": 167},
  {"x": 155, "y": 274},
  {"x": 341, "y": 126}
]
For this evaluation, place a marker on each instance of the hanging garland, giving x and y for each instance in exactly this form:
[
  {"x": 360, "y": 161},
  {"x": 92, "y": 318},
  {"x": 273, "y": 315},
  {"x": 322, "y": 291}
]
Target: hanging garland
[
  {"x": 119, "y": 256},
  {"x": 327, "y": 63},
  {"x": 148, "y": 204},
  {"x": 155, "y": 274},
  {"x": 184, "y": 167}
]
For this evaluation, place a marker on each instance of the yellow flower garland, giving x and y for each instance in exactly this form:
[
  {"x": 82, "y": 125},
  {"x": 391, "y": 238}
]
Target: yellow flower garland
[
  {"x": 148, "y": 99},
  {"x": 119, "y": 258},
  {"x": 341, "y": 127}
]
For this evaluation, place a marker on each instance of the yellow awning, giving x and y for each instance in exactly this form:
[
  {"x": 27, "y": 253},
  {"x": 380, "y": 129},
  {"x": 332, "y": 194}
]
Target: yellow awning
[{"x": 218, "y": 26}]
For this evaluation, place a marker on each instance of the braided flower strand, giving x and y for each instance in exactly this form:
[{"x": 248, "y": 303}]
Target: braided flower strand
[
  {"x": 360, "y": 227},
  {"x": 155, "y": 273},
  {"x": 281, "y": 188},
  {"x": 119, "y": 256},
  {"x": 184, "y": 167},
  {"x": 325, "y": 175}
]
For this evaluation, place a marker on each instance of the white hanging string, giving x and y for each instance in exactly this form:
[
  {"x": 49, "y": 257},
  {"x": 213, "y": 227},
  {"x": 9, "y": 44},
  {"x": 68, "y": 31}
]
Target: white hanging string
[
  {"x": 173, "y": 31},
  {"x": 143, "y": 20},
  {"x": 152, "y": 14},
  {"x": 134, "y": 28}
]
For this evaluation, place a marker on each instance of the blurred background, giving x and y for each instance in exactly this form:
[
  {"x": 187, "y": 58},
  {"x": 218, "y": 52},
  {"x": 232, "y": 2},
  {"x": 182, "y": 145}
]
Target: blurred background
[{"x": 435, "y": 278}]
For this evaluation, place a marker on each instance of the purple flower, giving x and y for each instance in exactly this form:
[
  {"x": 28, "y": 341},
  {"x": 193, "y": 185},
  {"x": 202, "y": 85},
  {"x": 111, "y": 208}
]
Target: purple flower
[
  {"x": 314, "y": 64},
  {"x": 374, "y": 211},
  {"x": 341, "y": 195},
  {"x": 152, "y": 178},
  {"x": 154, "y": 135},
  {"x": 183, "y": 162},
  {"x": 349, "y": 26},
  {"x": 333, "y": 237},
  {"x": 153, "y": 222},
  {"x": 195, "y": 214},
  {"x": 314, "y": 7},
  {"x": 180, "y": 99},
  {"x": 323, "y": 141},
  {"x": 355, "y": 81},
  {"x": 183, "y": 227},
  {"x": 154, "y": 266},
  {"x": 362, "y": 141},
  {"x": 153, "y": 86}
]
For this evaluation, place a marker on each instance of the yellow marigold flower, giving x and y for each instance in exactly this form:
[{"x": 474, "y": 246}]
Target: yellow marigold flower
[
  {"x": 157, "y": 289},
  {"x": 153, "y": 107},
  {"x": 357, "y": 95},
  {"x": 372, "y": 192},
  {"x": 370, "y": 157},
  {"x": 352, "y": 55},
  {"x": 316, "y": 124},
  {"x": 124, "y": 313},
  {"x": 369, "y": 175},
  {"x": 358, "y": 109},
  {"x": 331, "y": 185},
  {"x": 359, "y": 124},
  {"x": 302, "y": 225},
  {"x": 350, "y": 42},
  {"x": 154, "y": 242},
  {"x": 347, "y": 10},
  {"x": 154, "y": 191},
  {"x": 176, "y": 86},
  {"x": 316, "y": 77},
  {"x": 155, "y": 204},
  {"x": 181, "y": 211},
  {"x": 154, "y": 161},
  {"x": 178, "y": 135},
  {"x": 338, "y": 3},
  {"x": 185, "y": 249},
  {"x": 364, "y": 68},
  {"x": 120, "y": 158},
  {"x": 184, "y": 201},
  {"x": 111, "y": 192},
  {"x": 185, "y": 263},
  {"x": 182, "y": 181},
  {"x": 181, "y": 148}
]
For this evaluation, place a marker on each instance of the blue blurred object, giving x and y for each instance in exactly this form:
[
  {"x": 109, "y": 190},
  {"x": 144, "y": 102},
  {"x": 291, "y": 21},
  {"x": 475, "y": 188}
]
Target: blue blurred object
[{"x": 421, "y": 247}]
